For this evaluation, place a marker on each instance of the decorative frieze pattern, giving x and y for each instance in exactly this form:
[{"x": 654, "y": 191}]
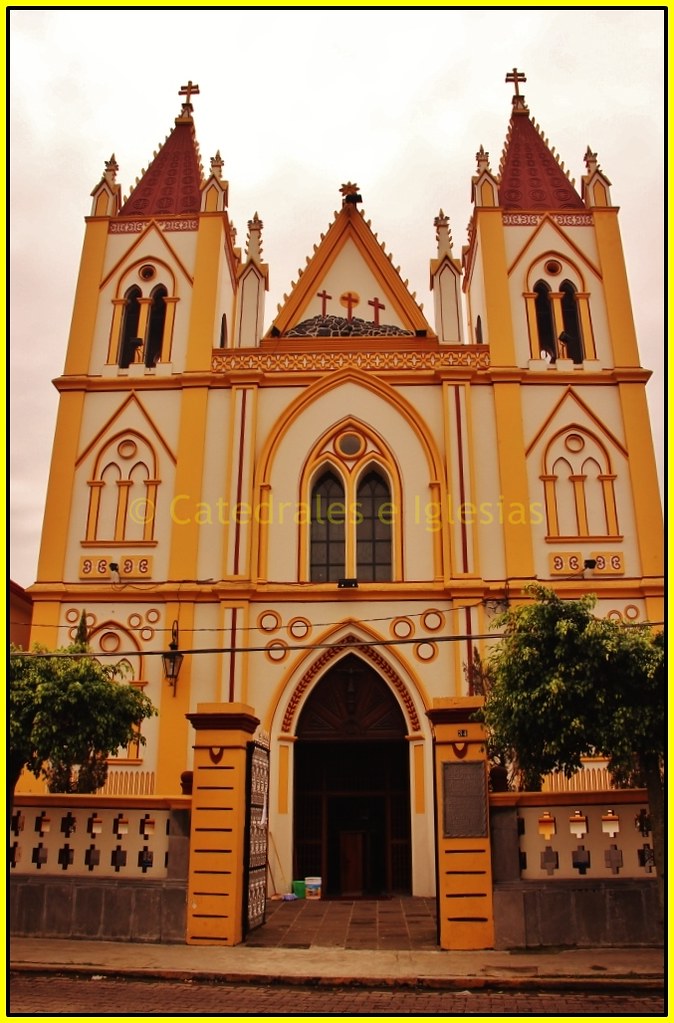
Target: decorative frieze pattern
[
  {"x": 533, "y": 219},
  {"x": 136, "y": 226},
  {"x": 255, "y": 360}
]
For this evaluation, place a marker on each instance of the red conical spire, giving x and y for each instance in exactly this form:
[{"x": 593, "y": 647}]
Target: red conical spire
[
  {"x": 531, "y": 175},
  {"x": 171, "y": 184}
]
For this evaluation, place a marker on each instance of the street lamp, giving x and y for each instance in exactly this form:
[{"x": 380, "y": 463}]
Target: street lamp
[{"x": 172, "y": 660}]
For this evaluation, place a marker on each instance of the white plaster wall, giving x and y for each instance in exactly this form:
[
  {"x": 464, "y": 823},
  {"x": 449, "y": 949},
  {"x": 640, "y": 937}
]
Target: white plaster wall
[
  {"x": 99, "y": 408},
  {"x": 350, "y": 272},
  {"x": 177, "y": 250},
  {"x": 374, "y": 411}
]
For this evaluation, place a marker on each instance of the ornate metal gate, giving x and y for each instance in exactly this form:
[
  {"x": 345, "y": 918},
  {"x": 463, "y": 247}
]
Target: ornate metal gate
[{"x": 255, "y": 851}]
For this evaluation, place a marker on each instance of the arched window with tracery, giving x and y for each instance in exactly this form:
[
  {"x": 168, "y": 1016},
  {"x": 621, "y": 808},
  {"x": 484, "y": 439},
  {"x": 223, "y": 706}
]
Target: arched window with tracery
[
  {"x": 328, "y": 515},
  {"x": 129, "y": 341},
  {"x": 545, "y": 320},
  {"x": 352, "y": 487},
  {"x": 579, "y": 487},
  {"x": 155, "y": 328},
  {"x": 123, "y": 491},
  {"x": 144, "y": 311},
  {"x": 571, "y": 336},
  {"x": 373, "y": 528}
]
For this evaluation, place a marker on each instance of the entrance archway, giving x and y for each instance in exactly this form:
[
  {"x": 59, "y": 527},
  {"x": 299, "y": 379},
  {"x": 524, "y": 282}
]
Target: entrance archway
[{"x": 352, "y": 807}]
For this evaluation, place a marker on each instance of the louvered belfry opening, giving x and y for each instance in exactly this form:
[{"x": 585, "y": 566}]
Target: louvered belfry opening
[{"x": 352, "y": 806}]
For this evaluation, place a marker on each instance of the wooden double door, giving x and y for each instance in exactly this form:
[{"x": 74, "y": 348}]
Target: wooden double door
[{"x": 352, "y": 807}]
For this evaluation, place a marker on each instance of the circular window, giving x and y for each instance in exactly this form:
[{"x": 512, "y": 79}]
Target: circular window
[
  {"x": 574, "y": 442},
  {"x": 553, "y": 267},
  {"x": 402, "y": 628},
  {"x": 127, "y": 448},
  {"x": 350, "y": 444},
  {"x": 299, "y": 628},
  {"x": 269, "y": 621},
  {"x": 109, "y": 642},
  {"x": 426, "y": 651},
  {"x": 277, "y": 650},
  {"x": 147, "y": 272},
  {"x": 433, "y": 620}
]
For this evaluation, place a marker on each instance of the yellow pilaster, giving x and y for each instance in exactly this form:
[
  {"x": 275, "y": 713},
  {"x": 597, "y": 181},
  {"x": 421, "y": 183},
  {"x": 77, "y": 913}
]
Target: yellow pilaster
[
  {"x": 216, "y": 873},
  {"x": 205, "y": 294},
  {"x": 583, "y": 304},
  {"x": 645, "y": 489},
  {"x": 532, "y": 323},
  {"x": 616, "y": 288},
  {"x": 51, "y": 565},
  {"x": 118, "y": 307},
  {"x": 465, "y": 902},
  {"x": 497, "y": 299},
  {"x": 551, "y": 504},
  {"x": 174, "y": 732},
  {"x": 167, "y": 339},
  {"x": 581, "y": 507},
  {"x": 86, "y": 298},
  {"x": 44, "y": 626},
  {"x": 609, "y": 504}
]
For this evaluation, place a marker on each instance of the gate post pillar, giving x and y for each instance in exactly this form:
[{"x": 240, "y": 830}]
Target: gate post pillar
[
  {"x": 217, "y": 833},
  {"x": 464, "y": 876}
]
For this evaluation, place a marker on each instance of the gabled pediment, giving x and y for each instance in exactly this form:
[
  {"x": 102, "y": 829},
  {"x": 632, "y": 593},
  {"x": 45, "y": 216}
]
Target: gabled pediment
[
  {"x": 350, "y": 288},
  {"x": 548, "y": 236},
  {"x": 132, "y": 416}
]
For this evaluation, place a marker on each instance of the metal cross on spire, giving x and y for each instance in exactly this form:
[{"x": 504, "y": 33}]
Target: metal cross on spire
[
  {"x": 516, "y": 77},
  {"x": 188, "y": 90}
]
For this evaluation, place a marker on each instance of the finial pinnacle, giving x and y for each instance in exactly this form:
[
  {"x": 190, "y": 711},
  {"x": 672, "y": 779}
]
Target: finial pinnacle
[
  {"x": 350, "y": 194},
  {"x": 188, "y": 90},
  {"x": 516, "y": 77}
]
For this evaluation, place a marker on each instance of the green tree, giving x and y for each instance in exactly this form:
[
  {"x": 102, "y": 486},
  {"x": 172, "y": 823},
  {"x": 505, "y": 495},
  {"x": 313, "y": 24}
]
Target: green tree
[
  {"x": 565, "y": 684},
  {"x": 67, "y": 715}
]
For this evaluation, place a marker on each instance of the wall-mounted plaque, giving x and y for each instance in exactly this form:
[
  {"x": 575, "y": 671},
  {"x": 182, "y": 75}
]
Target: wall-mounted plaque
[{"x": 464, "y": 800}]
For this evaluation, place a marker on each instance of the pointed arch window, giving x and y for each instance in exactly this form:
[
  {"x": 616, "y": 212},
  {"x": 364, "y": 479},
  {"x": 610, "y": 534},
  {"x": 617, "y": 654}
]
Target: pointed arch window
[
  {"x": 123, "y": 492},
  {"x": 478, "y": 331},
  {"x": 143, "y": 316},
  {"x": 373, "y": 529},
  {"x": 545, "y": 321},
  {"x": 571, "y": 335},
  {"x": 328, "y": 537},
  {"x": 579, "y": 488},
  {"x": 130, "y": 342},
  {"x": 155, "y": 329}
]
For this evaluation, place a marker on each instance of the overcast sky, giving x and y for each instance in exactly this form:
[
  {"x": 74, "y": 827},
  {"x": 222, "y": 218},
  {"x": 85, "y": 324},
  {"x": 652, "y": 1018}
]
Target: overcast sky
[{"x": 298, "y": 102}]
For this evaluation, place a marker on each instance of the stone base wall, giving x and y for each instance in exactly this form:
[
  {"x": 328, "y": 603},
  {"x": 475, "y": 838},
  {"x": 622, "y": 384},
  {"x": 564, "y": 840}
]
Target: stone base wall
[
  {"x": 532, "y": 914},
  {"x": 102, "y": 908}
]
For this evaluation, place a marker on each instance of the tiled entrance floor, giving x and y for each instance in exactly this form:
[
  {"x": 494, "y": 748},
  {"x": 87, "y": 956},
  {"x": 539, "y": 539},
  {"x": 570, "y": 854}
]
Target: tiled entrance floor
[{"x": 396, "y": 923}]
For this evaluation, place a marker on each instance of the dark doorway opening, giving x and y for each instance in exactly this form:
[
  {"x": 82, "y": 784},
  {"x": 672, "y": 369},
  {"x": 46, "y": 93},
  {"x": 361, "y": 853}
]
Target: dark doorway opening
[{"x": 352, "y": 808}]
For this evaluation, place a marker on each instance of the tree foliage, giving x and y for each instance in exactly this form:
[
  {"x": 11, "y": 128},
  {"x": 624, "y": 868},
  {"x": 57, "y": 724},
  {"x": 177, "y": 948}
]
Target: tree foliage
[
  {"x": 67, "y": 715},
  {"x": 565, "y": 684}
]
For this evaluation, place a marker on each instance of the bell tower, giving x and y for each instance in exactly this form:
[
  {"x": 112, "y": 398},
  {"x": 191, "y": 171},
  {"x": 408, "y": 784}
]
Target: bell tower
[{"x": 547, "y": 291}]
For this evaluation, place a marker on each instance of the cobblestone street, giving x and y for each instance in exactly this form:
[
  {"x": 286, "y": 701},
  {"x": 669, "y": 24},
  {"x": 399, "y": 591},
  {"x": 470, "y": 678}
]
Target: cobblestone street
[{"x": 56, "y": 995}]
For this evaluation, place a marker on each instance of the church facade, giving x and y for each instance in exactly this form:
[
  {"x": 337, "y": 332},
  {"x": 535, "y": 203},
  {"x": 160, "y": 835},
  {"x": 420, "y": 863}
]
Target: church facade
[{"x": 323, "y": 513}]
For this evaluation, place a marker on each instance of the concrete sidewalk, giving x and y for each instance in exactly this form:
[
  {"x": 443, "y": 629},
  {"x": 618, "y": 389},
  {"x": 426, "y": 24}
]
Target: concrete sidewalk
[{"x": 571, "y": 968}]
